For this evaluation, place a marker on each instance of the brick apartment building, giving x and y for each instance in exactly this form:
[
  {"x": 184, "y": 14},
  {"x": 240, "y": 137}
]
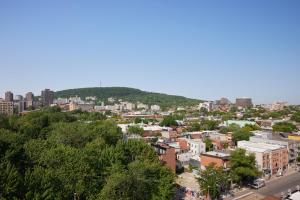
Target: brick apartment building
[
  {"x": 220, "y": 159},
  {"x": 270, "y": 158},
  {"x": 167, "y": 154}
]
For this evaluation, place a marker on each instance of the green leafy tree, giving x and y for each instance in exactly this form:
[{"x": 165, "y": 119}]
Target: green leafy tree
[
  {"x": 169, "y": 121},
  {"x": 10, "y": 181},
  {"x": 131, "y": 95},
  {"x": 285, "y": 127},
  {"x": 109, "y": 131},
  {"x": 67, "y": 171},
  {"x": 209, "y": 124},
  {"x": 135, "y": 130},
  {"x": 296, "y": 117},
  {"x": 203, "y": 111},
  {"x": 213, "y": 181},
  {"x": 243, "y": 168},
  {"x": 228, "y": 116},
  {"x": 11, "y": 149},
  {"x": 241, "y": 135},
  {"x": 230, "y": 128},
  {"x": 225, "y": 145},
  {"x": 233, "y": 109},
  {"x": 72, "y": 134},
  {"x": 4, "y": 121},
  {"x": 49, "y": 154},
  {"x": 203, "y": 125},
  {"x": 142, "y": 181},
  {"x": 87, "y": 116},
  {"x": 250, "y": 127},
  {"x": 276, "y": 114},
  {"x": 138, "y": 120},
  {"x": 208, "y": 144},
  {"x": 195, "y": 126}
]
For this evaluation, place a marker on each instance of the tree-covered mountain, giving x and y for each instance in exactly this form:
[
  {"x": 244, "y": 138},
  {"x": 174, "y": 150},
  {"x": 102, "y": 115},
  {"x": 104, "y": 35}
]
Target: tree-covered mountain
[{"x": 129, "y": 94}]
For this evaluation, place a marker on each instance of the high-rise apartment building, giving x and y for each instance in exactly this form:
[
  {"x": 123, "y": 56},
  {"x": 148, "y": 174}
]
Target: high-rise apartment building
[
  {"x": 6, "y": 107},
  {"x": 29, "y": 99},
  {"x": 244, "y": 102},
  {"x": 29, "y": 96},
  {"x": 21, "y": 105},
  {"x": 47, "y": 97},
  {"x": 9, "y": 96}
]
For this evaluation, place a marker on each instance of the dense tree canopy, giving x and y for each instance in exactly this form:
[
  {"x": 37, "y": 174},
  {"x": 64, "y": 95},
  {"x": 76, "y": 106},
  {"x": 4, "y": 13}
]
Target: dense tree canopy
[
  {"x": 230, "y": 128},
  {"x": 194, "y": 126},
  {"x": 243, "y": 168},
  {"x": 135, "y": 130},
  {"x": 49, "y": 154},
  {"x": 129, "y": 94},
  {"x": 240, "y": 135},
  {"x": 296, "y": 117},
  {"x": 213, "y": 181},
  {"x": 169, "y": 121},
  {"x": 203, "y": 125},
  {"x": 208, "y": 144},
  {"x": 285, "y": 127}
]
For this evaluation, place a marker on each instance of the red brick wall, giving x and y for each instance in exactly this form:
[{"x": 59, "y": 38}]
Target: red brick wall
[
  {"x": 207, "y": 160},
  {"x": 169, "y": 159},
  {"x": 279, "y": 157},
  {"x": 196, "y": 136},
  {"x": 183, "y": 144}
]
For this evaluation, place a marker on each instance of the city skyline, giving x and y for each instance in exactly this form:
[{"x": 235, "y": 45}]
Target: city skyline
[
  {"x": 249, "y": 100},
  {"x": 198, "y": 49}
]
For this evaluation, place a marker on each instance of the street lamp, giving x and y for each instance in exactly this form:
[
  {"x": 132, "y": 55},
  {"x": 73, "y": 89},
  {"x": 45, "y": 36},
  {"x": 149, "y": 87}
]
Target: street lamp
[{"x": 208, "y": 192}]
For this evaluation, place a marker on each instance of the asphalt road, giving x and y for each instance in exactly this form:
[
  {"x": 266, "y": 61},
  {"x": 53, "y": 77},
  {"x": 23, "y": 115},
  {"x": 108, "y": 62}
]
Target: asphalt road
[{"x": 282, "y": 184}]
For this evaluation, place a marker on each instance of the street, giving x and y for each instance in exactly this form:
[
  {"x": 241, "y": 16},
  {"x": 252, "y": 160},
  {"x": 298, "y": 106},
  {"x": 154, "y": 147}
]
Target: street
[
  {"x": 282, "y": 184},
  {"x": 273, "y": 187}
]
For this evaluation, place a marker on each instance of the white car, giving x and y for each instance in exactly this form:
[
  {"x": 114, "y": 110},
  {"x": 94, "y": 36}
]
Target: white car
[{"x": 258, "y": 183}]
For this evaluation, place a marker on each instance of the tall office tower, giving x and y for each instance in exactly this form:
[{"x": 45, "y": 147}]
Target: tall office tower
[
  {"x": 47, "y": 97},
  {"x": 244, "y": 102},
  {"x": 9, "y": 96},
  {"x": 29, "y": 96},
  {"x": 6, "y": 107},
  {"x": 29, "y": 99},
  {"x": 21, "y": 106}
]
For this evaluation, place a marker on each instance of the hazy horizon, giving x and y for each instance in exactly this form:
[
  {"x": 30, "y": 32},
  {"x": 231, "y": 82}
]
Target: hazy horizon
[
  {"x": 232, "y": 100},
  {"x": 197, "y": 49}
]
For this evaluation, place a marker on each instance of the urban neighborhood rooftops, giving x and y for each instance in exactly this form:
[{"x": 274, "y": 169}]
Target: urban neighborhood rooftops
[
  {"x": 258, "y": 147},
  {"x": 240, "y": 123},
  {"x": 217, "y": 154}
]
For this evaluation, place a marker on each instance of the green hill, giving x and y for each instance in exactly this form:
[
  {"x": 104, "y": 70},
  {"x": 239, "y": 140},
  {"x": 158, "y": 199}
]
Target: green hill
[{"x": 129, "y": 94}]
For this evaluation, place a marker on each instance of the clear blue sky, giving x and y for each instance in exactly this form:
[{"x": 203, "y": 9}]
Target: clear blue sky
[{"x": 200, "y": 49}]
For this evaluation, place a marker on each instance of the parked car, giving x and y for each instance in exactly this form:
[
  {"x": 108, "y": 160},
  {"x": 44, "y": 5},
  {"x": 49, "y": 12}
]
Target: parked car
[{"x": 258, "y": 183}]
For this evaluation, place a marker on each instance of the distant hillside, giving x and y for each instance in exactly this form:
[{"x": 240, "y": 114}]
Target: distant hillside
[{"x": 129, "y": 94}]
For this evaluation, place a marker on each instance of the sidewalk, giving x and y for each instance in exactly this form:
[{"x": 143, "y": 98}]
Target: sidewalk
[{"x": 288, "y": 172}]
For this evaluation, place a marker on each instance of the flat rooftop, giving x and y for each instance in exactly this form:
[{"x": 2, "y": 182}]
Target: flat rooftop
[
  {"x": 259, "y": 147},
  {"x": 217, "y": 154}
]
